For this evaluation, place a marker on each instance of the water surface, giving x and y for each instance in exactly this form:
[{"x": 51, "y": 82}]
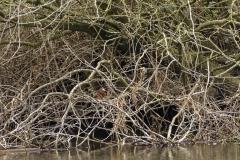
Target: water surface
[{"x": 195, "y": 152}]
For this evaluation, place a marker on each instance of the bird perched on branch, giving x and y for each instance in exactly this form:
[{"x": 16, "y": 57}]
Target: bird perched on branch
[{"x": 101, "y": 93}]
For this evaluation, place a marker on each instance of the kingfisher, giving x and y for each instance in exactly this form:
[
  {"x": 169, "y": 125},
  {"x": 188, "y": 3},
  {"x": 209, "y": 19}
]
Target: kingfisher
[{"x": 101, "y": 93}]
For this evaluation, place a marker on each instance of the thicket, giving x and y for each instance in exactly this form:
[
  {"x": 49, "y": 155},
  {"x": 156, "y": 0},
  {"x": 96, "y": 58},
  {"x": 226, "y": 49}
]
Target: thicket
[{"x": 170, "y": 70}]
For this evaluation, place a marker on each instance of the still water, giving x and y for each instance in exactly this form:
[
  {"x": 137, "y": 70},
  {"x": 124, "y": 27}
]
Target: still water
[{"x": 195, "y": 152}]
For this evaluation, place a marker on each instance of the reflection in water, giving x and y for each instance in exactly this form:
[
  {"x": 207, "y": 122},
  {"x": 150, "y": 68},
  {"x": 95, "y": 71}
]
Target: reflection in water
[{"x": 196, "y": 152}]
